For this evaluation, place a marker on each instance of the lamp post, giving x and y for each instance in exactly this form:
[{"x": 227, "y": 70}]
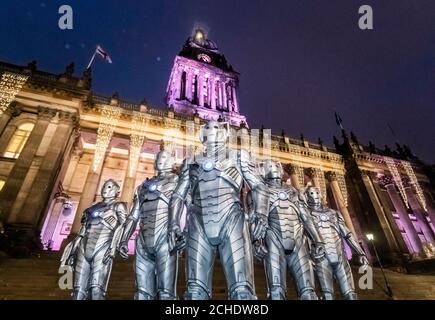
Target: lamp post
[{"x": 371, "y": 238}]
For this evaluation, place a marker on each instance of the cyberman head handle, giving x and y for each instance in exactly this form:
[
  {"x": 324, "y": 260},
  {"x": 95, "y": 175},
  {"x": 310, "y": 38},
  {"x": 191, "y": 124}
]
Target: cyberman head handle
[
  {"x": 271, "y": 170},
  {"x": 314, "y": 198},
  {"x": 164, "y": 162},
  {"x": 214, "y": 133},
  {"x": 110, "y": 189}
]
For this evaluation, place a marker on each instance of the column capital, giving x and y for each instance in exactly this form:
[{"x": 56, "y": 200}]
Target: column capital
[
  {"x": 313, "y": 172},
  {"x": 77, "y": 152},
  {"x": 45, "y": 113},
  {"x": 332, "y": 175},
  {"x": 369, "y": 174},
  {"x": 68, "y": 117},
  {"x": 13, "y": 110},
  {"x": 406, "y": 182},
  {"x": 385, "y": 180},
  {"x": 291, "y": 168}
]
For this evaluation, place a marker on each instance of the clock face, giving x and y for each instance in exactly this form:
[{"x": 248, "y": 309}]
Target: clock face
[{"x": 204, "y": 57}]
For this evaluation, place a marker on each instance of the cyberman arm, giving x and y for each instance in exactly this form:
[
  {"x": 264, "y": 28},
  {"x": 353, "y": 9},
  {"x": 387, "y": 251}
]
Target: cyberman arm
[
  {"x": 129, "y": 226},
  {"x": 350, "y": 239},
  {"x": 310, "y": 228},
  {"x": 121, "y": 212},
  {"x": 70, "y": 252},
  {"x": 176, "y": 238},
  {"x": 259, "y": 194}
]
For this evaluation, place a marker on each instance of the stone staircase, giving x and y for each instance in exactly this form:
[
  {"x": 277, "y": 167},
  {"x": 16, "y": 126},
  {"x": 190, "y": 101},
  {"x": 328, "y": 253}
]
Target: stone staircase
[{"x": 37, "y": 278}]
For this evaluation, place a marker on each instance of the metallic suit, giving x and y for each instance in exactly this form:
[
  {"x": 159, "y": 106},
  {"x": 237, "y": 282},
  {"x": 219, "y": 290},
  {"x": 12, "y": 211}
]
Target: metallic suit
[
  {"x": 156, "y": 268},
  {"x": 216, "y": 220},
  {"x": 331, "y": 227},
  {"x": 285, "y": 242},
  {"x": 91, "y": 253}
]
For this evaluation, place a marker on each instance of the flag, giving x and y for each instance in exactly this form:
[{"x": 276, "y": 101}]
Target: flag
[
  {"x": 338, "y": 120},
  {"x": 102, "y": 53}
]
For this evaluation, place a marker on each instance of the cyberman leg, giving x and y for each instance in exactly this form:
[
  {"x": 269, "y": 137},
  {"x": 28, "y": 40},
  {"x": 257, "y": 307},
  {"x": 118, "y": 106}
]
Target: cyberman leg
[
  {"x": 344, "y": 277},
  {"x": 236, "y": 257},
  {"x": 144, "y": 265},
  {"x": 200, "y": 256},
  {"x": 167, "y": 268},
  {"x": 100, "y": 274},
  {"x": 301, "y": 267},
  {"x": 275, "y": 268},
  {"x": 325, "y": 276},
  {"x": 82, "y": 271}
]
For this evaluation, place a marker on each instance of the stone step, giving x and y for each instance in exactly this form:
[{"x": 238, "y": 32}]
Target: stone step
[{"x": 37, "y": 278}]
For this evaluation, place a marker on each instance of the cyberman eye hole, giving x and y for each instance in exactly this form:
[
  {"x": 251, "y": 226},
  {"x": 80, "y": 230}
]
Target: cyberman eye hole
[{"x": 216, "y": 127}]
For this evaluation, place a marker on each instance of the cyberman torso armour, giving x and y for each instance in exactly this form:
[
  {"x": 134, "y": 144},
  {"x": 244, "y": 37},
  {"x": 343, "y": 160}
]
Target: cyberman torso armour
[
  {"x": 327, "y": 222},
  {"x": 286, "y": 244},
  {"x": 156, "y": 268},
  {"x": 217, "y": 222}
]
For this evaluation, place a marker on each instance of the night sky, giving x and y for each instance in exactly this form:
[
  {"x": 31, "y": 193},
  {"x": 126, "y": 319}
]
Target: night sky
[{"x": 298, "y": 60}]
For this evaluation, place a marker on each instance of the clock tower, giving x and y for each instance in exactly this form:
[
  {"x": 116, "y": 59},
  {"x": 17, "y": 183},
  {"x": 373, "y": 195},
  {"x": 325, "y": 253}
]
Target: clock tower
[{"x": 203, "y": 82}]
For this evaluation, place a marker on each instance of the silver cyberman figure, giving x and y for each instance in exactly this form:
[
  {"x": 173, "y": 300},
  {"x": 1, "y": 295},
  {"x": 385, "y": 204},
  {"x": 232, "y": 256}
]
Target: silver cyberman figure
[
  {"x": 216, "y": 220},
  {"x": 332, "y": 228},
  {"x": 156, "y": 268},
  {"x": 91, "y": 253},
  {"x": 285, "y": 241}
]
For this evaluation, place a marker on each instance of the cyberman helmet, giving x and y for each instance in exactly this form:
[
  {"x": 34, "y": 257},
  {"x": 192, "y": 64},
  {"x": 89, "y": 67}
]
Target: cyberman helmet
[
  {"x": 110, "y": 189},
  {"x": 271, "y": 170},
  {"x": 314, "y": 198},
  {"x": 214, "y": 132},
  {"x": 164, "y": 161}
]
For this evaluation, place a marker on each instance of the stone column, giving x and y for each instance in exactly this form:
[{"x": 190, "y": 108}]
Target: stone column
[
  {"x": 293, "y": 171},
  {"x": 87, "y": 198},
  {"x": 339, "y": 200},
  {"x": 430, "y": 204},
  {"x": 379, "y": 199},
  {"x": 177, "y": 85},
  {"x": 236, "y": 104},
  {"x": 45, "y": 179},
  {"x": 189, "y": 95},
  {"x": 404, "y": 217},
  {"x": 224, "y": 96},
  {"x": 419, "y": 214},
  {"x": 128, "y": 189},
  {"x": 200, "y": 90},
  {"x": 6, "y": 137},
  {"x": 212, "y": 93},
  {"x": 69, "y": 174},
  {"x": 23, "y": 163}
]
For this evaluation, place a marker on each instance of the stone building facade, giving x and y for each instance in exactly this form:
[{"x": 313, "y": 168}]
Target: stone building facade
[{"x": 59, "y": 142}]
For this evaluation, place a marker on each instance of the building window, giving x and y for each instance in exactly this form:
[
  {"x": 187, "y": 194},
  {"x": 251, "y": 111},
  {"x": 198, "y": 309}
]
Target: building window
[
  {"x": 2, "y": 184},
  {"x": 18, "y": 140},
  {"x": 183, "y": 86}
]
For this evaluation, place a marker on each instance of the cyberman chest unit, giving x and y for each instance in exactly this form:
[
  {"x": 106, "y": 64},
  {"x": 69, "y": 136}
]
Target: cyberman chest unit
[
  {"x": 154, "y": 196},
  {"x": 283, "y": 216},
  {"x": 215, "y": 189}
]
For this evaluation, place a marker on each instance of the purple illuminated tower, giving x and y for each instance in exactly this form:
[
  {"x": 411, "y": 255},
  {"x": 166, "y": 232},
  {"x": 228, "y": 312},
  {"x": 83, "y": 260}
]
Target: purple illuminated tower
[{"x": 203, "y": 82}]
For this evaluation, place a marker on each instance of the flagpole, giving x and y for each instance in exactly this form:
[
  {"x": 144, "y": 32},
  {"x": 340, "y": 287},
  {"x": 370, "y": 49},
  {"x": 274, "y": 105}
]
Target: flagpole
[{"x": 92, "y": 60}]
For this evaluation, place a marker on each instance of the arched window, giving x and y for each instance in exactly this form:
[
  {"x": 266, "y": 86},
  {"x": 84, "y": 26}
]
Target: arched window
[{"x": 18, "y": 140}]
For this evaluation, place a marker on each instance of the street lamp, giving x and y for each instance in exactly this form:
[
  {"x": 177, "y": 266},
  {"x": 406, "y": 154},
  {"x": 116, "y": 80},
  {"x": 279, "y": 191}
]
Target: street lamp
[{"x": 371, "y": 238}]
